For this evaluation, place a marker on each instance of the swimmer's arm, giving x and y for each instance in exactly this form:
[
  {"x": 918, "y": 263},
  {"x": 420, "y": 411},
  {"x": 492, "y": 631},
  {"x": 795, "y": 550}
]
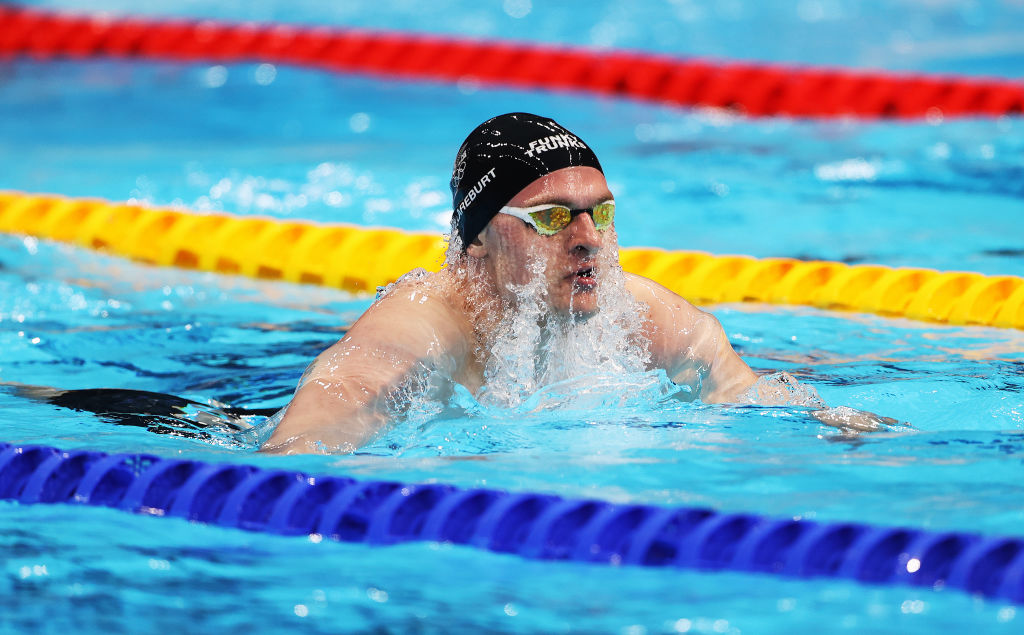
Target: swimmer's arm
[
  {"x": 729, "y": 380},
  {"x": 692, "y": 345},
  {"x": 327, "y": 416},
  {"x": 705, "y": 358},
  {"x": 698, "y": 352},
  {"x": 342, "y": 402},
  {"x": 729, "y": 376}
]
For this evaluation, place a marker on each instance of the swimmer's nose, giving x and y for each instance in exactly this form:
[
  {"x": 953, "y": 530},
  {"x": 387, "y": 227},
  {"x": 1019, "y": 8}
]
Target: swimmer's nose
[{"x": 583, "y": 235}]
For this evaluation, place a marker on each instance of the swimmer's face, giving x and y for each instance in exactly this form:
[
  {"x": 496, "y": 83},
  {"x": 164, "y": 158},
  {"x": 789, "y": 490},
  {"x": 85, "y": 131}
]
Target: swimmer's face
[{"x": 572, "y": 268}]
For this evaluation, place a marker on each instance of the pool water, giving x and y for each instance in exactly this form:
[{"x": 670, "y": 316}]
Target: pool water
[{"x": 294, "y": 143}]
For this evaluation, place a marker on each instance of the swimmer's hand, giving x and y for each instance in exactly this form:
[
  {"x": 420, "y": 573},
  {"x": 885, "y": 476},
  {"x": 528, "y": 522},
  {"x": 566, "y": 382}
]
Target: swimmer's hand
[
  {"x": 851, "y": 421},
  {"x": 782, "y": 389}
]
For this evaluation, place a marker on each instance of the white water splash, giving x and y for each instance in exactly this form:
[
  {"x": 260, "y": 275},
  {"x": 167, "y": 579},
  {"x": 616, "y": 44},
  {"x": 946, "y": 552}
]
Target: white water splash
[
  {"x": 539, "y": 361},
  {"x": 781, "y": 389}
]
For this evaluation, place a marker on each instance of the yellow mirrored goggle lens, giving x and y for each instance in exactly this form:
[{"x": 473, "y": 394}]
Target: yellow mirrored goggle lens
[
  {"x": 603, "y": 215},
  {"x": 554, "y": 219}
]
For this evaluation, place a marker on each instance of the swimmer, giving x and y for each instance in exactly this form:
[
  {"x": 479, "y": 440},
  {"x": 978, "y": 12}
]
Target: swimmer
[{"x": 533, "y": 226}]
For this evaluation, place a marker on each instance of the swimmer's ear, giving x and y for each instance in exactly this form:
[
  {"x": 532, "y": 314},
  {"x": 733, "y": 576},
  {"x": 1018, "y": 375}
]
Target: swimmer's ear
[{"x": 478, "y": 248}]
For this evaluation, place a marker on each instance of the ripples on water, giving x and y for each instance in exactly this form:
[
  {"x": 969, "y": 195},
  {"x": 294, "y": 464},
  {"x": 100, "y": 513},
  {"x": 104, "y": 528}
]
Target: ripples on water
[
  {"x": 197, "y": 574},
  {"x": 293, "y": 143},
  {"x": 836, "y": 190}
]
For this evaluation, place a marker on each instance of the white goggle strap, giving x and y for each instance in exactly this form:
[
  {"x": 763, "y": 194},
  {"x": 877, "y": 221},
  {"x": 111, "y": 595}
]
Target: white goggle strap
[{"x": 523, "y": 213}]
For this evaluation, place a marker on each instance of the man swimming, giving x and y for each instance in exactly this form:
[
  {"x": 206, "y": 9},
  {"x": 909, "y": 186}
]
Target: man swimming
[{"x": 533, "y": 235}]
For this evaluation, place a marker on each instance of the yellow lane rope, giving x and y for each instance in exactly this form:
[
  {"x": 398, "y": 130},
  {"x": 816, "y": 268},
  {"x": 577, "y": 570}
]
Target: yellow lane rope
[{"x": 358, "y": 259}]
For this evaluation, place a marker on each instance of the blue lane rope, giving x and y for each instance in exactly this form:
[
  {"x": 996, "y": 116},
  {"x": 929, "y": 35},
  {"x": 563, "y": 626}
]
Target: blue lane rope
[{"x": 538, "y": 526}]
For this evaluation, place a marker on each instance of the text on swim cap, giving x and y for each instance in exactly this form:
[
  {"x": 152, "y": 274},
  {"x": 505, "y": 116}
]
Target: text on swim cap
[
  {"x": 554, "y": 142},
  {"x": 475, "y": 190}
]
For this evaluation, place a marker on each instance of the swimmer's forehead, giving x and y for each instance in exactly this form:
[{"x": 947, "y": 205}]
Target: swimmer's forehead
[{"x": 577, "y": 186}]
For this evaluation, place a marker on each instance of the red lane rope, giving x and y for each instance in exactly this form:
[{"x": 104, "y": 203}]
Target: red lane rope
[{"x": 752, "y": 89}]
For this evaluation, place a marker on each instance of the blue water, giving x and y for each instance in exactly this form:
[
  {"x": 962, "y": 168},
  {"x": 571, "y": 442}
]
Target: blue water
[
  {"x": 312, "y": 145},
  {"x": 292, "y": 143}
]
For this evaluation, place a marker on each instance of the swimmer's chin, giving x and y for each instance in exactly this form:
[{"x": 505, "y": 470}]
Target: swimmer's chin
[{"x": 577, "y": 313}]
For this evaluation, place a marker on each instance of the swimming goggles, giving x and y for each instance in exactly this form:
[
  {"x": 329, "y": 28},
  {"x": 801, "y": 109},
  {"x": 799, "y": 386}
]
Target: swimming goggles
[{"x": 550, "y": 219}]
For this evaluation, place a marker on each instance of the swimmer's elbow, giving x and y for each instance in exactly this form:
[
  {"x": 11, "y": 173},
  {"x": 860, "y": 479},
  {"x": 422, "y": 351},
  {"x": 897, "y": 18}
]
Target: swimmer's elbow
[
  {"x": 305, "y": 444},
  {"x": 288, "y": 446},
  {"x": 730, "y": 377},
  {"x": 317, "y": 422},
  {"x": 731, "y": 389},
  {"x": 319, "y": 436}
]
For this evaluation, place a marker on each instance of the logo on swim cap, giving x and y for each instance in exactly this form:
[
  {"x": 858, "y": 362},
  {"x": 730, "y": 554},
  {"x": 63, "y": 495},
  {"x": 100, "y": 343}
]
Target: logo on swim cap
[
  {"x": 554, "y": 142},
  {"x": 475, "y": 191},
  {"x": 460, "y": 168}
]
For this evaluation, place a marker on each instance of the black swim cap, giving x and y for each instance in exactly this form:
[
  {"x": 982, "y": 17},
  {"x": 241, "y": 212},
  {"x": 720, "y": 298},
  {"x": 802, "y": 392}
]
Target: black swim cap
[{"x": 501, "y": 157}]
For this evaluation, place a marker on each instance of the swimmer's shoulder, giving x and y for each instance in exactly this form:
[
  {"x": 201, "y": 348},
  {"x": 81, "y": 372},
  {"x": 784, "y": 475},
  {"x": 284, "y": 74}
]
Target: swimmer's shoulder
[
  {"x": 669, "y": 314},
  {"x": 677, "y": 330},
  {"x": 656, "y": 296},
  {"x": 423, "y": 304},
  {"x": 417, "y": 292}
]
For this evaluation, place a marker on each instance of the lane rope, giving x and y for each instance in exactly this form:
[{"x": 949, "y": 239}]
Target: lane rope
[
  {"x": 359, "y": 259},
  {"x": 754, "y": 89},
  {"x": 532, "y": 525}
]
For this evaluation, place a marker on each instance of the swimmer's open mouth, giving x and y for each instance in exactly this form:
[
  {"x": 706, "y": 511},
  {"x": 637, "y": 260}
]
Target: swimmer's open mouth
[{"x": 585, "y": 278}]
